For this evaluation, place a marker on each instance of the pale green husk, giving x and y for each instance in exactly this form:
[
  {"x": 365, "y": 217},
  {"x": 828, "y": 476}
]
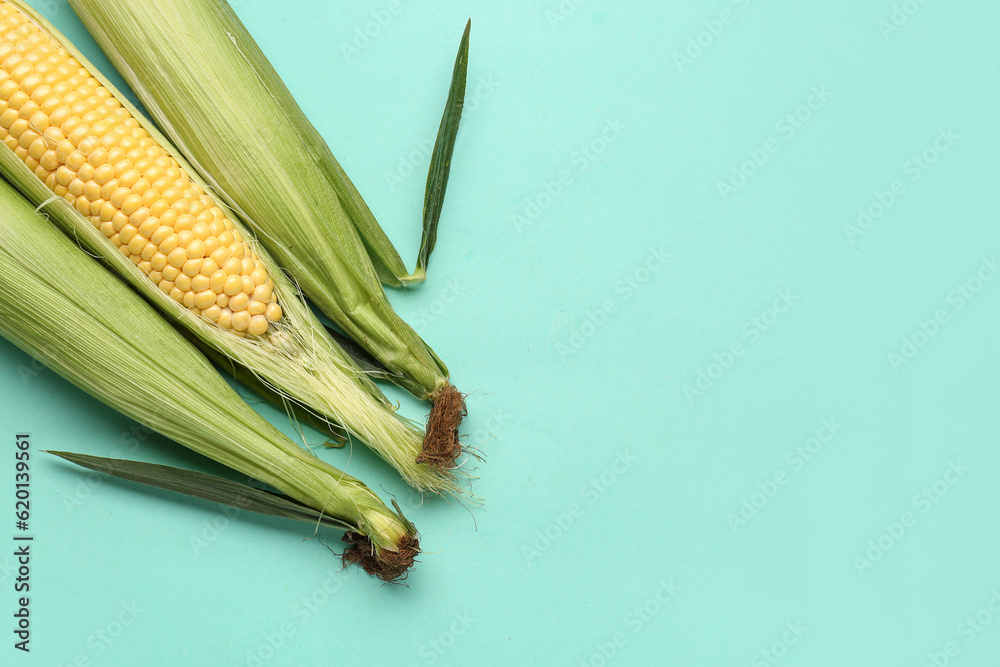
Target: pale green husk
[
  {"x": 63, "y": 308},
  {"x": 299, "y": 360},
  {"x": 209, "y": 86}
]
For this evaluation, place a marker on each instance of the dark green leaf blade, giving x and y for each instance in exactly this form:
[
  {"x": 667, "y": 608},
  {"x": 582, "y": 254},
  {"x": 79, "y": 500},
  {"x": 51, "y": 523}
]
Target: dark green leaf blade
[
  {"x": 204, "y": 486},
  {"x": 437, "y": 175}
]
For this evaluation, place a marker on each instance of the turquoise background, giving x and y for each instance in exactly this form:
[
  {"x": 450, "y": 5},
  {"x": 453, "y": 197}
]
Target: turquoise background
[{"x": 721, "y": 425}]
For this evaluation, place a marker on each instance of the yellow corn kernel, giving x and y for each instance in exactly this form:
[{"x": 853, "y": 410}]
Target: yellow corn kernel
[
  {"x": 146, "y": 227},
  {"x": 177, "y": 257},
  {"x": 168, "y": 244},
  {"x": 273, "y": 312},
  {"x": 209, "y": 267},
  {"x": 192, "y": 267},
  {"x": 241, "y": 320},
  {"x": 239, "y": 302},
  {"x": 158, "y": 260},
  {"x": 218, "y": 282},
  {"x": 220, "y": 255},
  {"x": 205, "y": 299},
  {"x": 170, "y": 272},
  {"x": 234, "y": 284},
  {"x": 263, "y": 292},
  {"x": 212, "y": 313},
  {"x": 258, "y": 324},
  {"x": 149, "y": 250},
  {"x": 196, "y": 249},
  {"x": 161, "y": 234}
]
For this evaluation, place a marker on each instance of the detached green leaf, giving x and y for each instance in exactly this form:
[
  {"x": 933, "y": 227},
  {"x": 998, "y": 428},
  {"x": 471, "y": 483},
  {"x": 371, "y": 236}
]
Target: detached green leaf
[
  {"x": 437, "y": 175},
  {"x": 204, "y": 486}
]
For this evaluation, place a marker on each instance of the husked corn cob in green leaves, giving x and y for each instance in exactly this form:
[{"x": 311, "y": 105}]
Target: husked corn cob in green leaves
[
  {"x": 66, "y": 310},
  {"x": 209, "y": 86},
  {"x": 88, "y": 159}
]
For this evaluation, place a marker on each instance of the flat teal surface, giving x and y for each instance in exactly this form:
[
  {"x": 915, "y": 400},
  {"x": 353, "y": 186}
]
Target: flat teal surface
[{"x": 722, "y": 281}]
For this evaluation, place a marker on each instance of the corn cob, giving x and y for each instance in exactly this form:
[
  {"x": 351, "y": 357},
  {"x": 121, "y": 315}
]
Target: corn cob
[
  {"x": 126, "y": 355},
  {"x": 70, "y": 130},
  {"x": 206, "y": 82}
]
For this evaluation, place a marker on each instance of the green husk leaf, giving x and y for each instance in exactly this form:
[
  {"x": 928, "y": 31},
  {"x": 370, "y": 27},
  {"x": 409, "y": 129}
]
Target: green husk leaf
[
  {"x": 437, "y": 175},
  {"x": 206, "y": 487}
]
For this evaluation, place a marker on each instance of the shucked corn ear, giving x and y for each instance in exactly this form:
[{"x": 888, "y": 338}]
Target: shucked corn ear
[
  {"x": 71, "y": 137},
  {"x": 209, "y": 86},
  {"x": 63, "y": 308},
  {"x": 88, "y": 149}
]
